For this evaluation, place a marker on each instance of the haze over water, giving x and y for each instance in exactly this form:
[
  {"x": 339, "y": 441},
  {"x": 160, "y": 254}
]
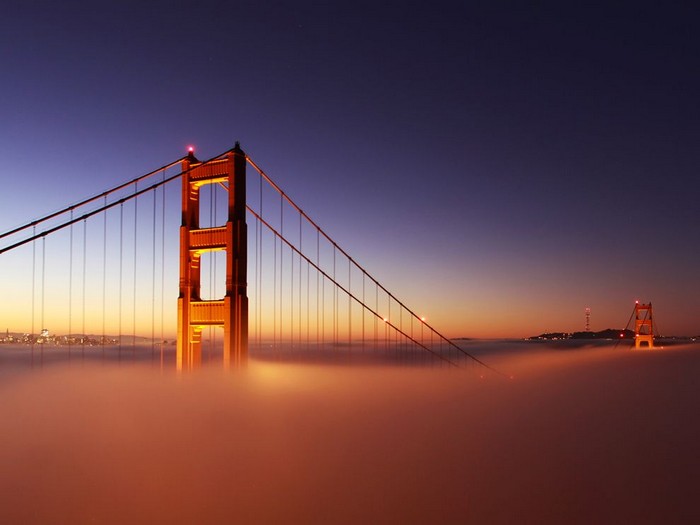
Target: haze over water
[{"x": 580, "y": 435}]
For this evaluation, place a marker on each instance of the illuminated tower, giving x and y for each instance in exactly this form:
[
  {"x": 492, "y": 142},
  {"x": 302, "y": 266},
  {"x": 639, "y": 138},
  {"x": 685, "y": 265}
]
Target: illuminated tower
[
  {"x": 643, "y": 332},
  {"x": 588, "y": 320},
  {"x": 230, "y": 312}
]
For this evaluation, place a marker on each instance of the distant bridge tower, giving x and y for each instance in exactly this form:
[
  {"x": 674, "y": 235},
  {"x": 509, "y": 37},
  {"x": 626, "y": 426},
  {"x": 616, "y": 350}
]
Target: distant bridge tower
[
  {"x": 643, "y": 325},
  {"x": 231, "y": 312}
]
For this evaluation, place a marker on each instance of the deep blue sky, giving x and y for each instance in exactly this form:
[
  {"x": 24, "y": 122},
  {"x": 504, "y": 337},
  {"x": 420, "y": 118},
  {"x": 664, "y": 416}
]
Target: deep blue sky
[{"x": 499, "y": 166}]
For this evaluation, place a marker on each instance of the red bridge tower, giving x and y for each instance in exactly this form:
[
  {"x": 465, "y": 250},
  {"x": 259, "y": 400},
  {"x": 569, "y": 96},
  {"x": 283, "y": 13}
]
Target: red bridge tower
[
  {"x": 643, "y": 325},
  {"x": 231, "y": 312}
]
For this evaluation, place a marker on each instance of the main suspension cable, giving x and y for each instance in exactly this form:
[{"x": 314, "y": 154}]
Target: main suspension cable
[
  {"x": 88, "y": 200},
  {"x": 348, "y": 292},
  {"x": 102, "y": 208},
  {"x": 360, "y": 267}
]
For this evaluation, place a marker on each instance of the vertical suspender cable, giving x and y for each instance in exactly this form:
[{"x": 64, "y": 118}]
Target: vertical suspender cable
[
  {"x": 308, "y": 303},
  {"x": 82, "y": 348},
  {"x": 388, "y": 331},
  {"x": 318, "y": 275},
  {"x": 70, "y": 286},
  {"x": 300, "y": 261},
  {"x": 133, "y": 314},
  {"x": 153, "y": 279},
  {"x": 260, "y": 263},
  {"x": 274, "y": 293},
  {"x": 104, "y": 277},
  {"x": 362, "y": 310},
  {"x": 397, "y": 346},
  {"x": 281, "y": 266},
  {"x": 335, "y": 302},
  {"x": 376, "y": 320},
  {"x": 33, "y": 285},
  {"x": 43, "y": 291},
  {"x": 121, "y": 264},
  {"x": 323, "y": 312},
  {"x": 162, "y": 275},
  {"x": 256, "y": 323},
  {"x": 43, "y": 281},
  {"x": 349, "y": 303},
  {"x": 291, "y": 298}
]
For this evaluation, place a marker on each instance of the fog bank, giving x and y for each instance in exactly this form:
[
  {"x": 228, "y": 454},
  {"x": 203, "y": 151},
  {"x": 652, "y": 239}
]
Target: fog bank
[{"x": 588, "y": 435}]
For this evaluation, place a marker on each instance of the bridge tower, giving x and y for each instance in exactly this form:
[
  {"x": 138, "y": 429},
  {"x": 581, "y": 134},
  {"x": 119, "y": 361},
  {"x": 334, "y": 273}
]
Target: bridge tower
[
  {"x": 231, "y": 312},
  {"x": 643, "y": 325}
]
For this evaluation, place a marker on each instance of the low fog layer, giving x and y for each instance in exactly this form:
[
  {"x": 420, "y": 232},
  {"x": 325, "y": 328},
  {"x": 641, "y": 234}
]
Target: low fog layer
[{"x": 577, "y": 436}]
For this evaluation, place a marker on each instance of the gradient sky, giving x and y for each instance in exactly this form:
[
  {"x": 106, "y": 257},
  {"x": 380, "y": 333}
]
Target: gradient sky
[{"x": 499, "y": 166}]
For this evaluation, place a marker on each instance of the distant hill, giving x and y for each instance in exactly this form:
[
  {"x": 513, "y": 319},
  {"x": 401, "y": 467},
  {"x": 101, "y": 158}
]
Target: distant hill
[
  {"x": 608, "y": 333},
  {"x": 612, "y": 334}
]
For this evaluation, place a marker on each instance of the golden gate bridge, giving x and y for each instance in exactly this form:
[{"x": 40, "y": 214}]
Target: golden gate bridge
[{"x": 102, "y": 272}]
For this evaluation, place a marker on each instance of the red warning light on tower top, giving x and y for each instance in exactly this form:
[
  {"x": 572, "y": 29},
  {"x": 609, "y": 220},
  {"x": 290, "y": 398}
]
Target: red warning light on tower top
[{"x": 190, "y": 149}]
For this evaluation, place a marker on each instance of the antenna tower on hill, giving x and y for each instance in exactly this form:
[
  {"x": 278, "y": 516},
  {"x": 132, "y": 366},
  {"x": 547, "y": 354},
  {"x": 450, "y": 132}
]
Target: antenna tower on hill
[{"x": 588, "y": 320}]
